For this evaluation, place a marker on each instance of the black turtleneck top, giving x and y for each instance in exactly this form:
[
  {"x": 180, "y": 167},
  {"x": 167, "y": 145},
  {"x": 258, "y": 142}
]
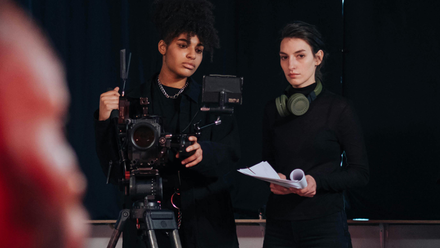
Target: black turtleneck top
[{"x": 315, "y": 142}]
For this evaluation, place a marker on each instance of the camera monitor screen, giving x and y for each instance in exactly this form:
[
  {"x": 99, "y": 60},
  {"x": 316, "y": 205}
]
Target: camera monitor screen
[{"x": 214, "y": 86}]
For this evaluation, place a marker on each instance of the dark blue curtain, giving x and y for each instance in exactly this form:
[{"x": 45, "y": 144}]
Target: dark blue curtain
[{"x": 383, "y": 57}]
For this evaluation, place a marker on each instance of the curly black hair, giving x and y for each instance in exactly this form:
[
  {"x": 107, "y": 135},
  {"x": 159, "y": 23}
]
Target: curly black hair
[{"x": 193, "y": 17}]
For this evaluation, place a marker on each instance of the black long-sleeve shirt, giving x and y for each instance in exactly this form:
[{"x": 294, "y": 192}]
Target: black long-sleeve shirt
[{"x": 314, "y": 142}]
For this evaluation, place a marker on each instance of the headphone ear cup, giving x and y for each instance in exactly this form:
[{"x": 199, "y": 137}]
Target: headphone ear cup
[
  {"x": 298, "y": 104},
  {"x": 280, "y": 102}
]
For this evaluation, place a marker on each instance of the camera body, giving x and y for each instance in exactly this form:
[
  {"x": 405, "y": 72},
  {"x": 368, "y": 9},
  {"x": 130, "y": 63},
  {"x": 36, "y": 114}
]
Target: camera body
[
  {"x": 143, "y": 137},
  {"x": 145, "y": 142},
  {"x": 144, "y": 145}
]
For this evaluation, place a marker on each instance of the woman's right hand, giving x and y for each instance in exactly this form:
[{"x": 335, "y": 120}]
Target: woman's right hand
[
  {"x": 279, "y": 190},
  {"x": 308, "y": 191},
  {"x": 107, "y": 102}
]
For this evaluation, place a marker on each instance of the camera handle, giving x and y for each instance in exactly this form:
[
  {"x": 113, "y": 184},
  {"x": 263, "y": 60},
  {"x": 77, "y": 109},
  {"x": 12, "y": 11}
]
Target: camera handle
[{"x": 114, "y": 118}]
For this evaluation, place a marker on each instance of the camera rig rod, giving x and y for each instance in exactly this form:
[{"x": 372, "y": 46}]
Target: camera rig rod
[
  {"x": 198, "y": 128},
  {"x": 114, "y": 117}
]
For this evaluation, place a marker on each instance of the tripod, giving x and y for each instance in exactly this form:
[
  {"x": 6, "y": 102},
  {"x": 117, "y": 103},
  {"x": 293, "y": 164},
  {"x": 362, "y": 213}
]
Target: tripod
[{"x": 150, "y": 218}]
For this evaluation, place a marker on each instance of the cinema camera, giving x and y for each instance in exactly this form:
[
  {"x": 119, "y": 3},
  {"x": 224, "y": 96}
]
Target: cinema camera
[
  {"x": 144, "y": 148},
  {"x": 143, "y": 151},
  {"x": 144, "y": 144}
]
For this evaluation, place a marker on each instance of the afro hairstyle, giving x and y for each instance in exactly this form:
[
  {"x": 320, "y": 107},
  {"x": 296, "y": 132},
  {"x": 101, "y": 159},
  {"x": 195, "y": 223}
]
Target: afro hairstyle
[{"x": 193, "y": 17}]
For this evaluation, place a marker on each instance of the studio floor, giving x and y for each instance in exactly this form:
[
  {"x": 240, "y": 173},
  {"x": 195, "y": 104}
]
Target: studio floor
[{"x": 370, "y": 234}]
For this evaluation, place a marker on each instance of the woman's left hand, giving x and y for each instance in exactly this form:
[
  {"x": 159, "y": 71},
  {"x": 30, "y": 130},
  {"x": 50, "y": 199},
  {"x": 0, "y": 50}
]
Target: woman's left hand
[
  {"x": 197, "y": 153},
  {"x": 308, "y": 191}
]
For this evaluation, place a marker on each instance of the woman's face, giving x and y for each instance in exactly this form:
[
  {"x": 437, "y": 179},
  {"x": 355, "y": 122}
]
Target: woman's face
[
  {"x": 182, "y": 56},
  {"x": 298, "y": 62}
]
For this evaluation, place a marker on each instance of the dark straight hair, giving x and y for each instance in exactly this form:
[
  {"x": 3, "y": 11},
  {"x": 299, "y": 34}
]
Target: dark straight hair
[{"x": 310, "y": 34}]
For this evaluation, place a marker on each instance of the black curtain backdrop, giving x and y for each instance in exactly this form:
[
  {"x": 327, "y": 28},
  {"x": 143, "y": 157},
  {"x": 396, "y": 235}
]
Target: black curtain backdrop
[
  {"x": 391, "y": 73},
  {"x": 383, "y": 56}
]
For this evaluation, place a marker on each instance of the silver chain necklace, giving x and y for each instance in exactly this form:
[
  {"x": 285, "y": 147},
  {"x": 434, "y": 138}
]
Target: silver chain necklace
[{"x": 165, "y": 93}]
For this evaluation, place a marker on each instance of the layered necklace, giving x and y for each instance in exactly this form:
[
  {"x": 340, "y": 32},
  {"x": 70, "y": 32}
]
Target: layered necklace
[{"x": 166, "y": 94}]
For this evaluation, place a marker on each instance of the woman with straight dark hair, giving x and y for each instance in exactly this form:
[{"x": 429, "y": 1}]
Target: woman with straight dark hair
[{"x": 310, "y": 128}]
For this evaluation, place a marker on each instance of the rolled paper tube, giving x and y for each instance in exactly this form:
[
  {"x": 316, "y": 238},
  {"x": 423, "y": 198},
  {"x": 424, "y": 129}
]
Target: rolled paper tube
[{"x": 298, "y": 176}]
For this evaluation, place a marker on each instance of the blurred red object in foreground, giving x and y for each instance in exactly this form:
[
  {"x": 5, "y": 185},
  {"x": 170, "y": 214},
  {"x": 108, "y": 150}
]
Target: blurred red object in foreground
[{"x": 40, "y": 183}]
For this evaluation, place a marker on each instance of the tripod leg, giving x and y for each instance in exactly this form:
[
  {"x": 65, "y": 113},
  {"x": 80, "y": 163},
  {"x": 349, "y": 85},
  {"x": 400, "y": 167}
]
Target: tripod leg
[
  {"x": 114, "y": 239},
  {"x": 175, "y": 239},
  {"x": 123, "y": 216},
  {"x": 151, "y": 239}
]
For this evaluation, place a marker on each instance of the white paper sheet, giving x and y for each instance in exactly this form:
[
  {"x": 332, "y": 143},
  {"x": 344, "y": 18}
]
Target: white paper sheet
[{"x": 265, "y": 172}]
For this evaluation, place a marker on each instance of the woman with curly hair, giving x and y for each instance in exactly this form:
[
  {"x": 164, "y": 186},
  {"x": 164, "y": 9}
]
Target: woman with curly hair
[{"x": 204, "y": 210}]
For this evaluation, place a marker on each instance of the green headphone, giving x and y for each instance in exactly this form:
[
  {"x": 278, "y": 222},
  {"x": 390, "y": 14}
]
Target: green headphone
[{"x": 298, "y": 103}]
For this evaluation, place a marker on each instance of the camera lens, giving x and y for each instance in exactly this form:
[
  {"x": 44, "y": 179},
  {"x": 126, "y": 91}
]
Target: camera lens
[{"x": 143, "y": 137}]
